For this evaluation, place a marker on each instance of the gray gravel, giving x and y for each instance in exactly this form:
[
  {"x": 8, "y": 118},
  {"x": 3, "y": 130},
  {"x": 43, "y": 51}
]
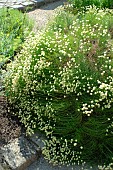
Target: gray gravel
[{"x": 44, "y": 14}]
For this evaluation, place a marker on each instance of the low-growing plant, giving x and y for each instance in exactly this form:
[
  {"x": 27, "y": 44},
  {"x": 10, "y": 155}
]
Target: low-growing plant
[
  {"x": 14, "y": 27},
  {"x": 62, "y": 84},
  {"x": 78, "y": 5}
]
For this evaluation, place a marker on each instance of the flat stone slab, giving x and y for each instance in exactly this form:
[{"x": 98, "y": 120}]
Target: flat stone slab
[
  {"x": 17, "y": 6},
  {"x": 20, "y": 153},
  {"x": 23, "y": 4},
  {"x": 1, "y": 168},
  {"x": 38, "y": 139},
  {"x": 27, "y": 3}
]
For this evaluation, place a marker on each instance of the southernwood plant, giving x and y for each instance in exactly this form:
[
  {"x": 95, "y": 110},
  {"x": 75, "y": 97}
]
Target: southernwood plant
[
  {"x": 62, "y": 84},
  {"x": 79, "y": 5},
  {"x": 14, "y": 27}
]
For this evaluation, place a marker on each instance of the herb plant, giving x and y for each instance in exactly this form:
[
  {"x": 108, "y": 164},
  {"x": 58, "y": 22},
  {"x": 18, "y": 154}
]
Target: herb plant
[{"x": 62, "y": 84}]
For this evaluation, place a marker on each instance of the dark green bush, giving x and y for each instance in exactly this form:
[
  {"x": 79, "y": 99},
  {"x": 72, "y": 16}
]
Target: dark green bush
[
  {"x": 62, "y": 85},
  {"x": 14, "y": 27}
]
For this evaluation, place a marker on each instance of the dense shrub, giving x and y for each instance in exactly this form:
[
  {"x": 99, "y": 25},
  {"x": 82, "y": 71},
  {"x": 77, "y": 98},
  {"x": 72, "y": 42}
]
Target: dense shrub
[
  {"x": 14, "y": 27},
  {"x": 83, "y": 4},
  {"x": 62, "y": 84}
]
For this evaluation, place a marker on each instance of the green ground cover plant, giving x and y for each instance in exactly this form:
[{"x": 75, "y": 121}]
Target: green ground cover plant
[
  {"x": 14, "y": 27},
  {"x": 79, "y": 5},
  {"x": 62, "y": 84}
]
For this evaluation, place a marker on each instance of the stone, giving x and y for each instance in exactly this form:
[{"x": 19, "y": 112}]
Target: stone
[
  {"x": 49, "y": 1},
  {"x": 11, "y": 1},
  {"x": 1, "y": 6},
  {"x": 23, "y": 4},
  {"x": 21, "y": 1},
  {"x": 38, "y": 139},
  {"x": 28, "y": 3},
  {"x": 1, "y": 167},
  {"x": 20, "y": 153},
  {"x": 17, "y": 6},
  {"x": 39, "y": 3}
]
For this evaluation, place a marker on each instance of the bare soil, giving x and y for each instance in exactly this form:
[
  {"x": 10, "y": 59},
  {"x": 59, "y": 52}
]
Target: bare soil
[{"x": 10, "y": 128}]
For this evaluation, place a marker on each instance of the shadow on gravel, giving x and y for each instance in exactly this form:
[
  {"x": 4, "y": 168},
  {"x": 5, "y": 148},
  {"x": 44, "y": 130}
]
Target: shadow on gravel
[{"x": 53, "y": 5}]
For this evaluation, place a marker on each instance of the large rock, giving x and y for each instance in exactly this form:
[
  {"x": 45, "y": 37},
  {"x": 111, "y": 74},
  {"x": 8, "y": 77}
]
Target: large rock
[
  {"x": 20, "y": 153},
  {"x": 38, "y": 139}
]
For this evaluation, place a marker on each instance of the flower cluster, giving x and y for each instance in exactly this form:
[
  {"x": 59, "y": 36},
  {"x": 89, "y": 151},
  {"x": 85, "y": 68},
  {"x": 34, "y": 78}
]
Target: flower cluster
[{"x": 62, "y": 84}]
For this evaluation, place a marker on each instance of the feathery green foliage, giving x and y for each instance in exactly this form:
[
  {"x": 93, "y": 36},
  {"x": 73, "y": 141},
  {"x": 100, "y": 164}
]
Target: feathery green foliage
[
  {"x": 81, "y": 5},
  {"x": 62, "y": 84}
]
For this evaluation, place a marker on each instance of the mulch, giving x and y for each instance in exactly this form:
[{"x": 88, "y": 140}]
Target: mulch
[{"x": 10, "y": 128}]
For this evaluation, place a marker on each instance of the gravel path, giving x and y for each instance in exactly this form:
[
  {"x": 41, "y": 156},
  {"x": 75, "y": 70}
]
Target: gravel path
[{"x": 44, "y": 14}]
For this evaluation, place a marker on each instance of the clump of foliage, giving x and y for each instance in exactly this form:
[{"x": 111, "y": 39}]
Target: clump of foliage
[
  {"x": 14, "y": 27},
  {"x": 62, "y": 84},
  {"x": 79, "y": 5}
]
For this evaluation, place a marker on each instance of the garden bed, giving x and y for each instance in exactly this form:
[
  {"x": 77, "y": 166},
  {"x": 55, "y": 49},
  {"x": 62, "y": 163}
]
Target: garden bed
[
  {"x": 10, "y": 128},
  {"x": 62, "y": 84}
]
